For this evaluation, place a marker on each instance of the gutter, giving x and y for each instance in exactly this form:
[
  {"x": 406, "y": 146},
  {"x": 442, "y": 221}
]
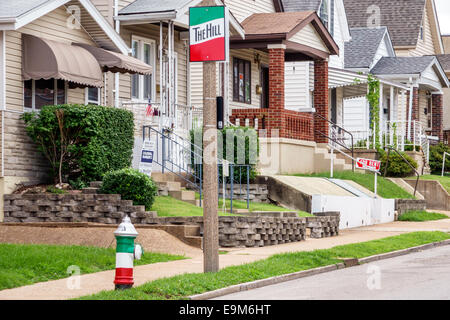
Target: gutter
[{"x": 147, "y": 17}]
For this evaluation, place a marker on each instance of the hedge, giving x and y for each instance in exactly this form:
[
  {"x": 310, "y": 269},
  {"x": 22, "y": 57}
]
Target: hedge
[{"x": 96, "y": 140}]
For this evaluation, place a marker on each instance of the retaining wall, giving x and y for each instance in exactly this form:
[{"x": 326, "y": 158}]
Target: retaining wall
[
  {"x": 404, "y": 205},
  {"x": 96, "y": 208},
  {"x": 257, "y": 192}
]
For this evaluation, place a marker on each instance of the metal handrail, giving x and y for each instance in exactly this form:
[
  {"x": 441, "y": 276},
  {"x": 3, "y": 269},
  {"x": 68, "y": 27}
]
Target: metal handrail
[
  {"x": 352, "y": 150},
  {"x": 406, "y": 161}
]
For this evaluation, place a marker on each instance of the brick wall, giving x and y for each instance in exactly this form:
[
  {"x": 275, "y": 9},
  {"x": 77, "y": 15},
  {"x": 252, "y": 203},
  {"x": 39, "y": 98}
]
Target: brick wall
[
  {"x": 438, "y": 116},
  {"x": 321, "y": 99}
]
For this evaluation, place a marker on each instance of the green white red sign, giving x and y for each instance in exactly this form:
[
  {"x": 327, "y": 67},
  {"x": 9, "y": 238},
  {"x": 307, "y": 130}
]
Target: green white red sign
[{"x": 208, "y": 34}]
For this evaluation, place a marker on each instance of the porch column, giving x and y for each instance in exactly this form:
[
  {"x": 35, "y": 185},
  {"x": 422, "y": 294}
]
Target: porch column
[
  {"x": 321, "y": 99},
  {"x": 413, "y": 110},
  {"x": 380, "y": 114},
  {"x": 276, "y": 76},
  {"x": 276, "y": 120},
  {"x": 437, "y": 110}
]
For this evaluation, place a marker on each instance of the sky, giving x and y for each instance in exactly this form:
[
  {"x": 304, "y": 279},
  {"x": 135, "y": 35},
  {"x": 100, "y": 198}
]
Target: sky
[{"x": 443, "y": 9}]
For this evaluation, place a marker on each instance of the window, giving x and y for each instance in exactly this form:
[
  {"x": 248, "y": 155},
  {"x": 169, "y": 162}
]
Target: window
[
  {"x": 93, "y": 96},
  {"x": 39, "y": 93},
  {"x": 421, "y": 32},
  {"x": 326, "y": 13},
  {"x": 143, "y": 88},
  {"x": 242, "y": 85}
]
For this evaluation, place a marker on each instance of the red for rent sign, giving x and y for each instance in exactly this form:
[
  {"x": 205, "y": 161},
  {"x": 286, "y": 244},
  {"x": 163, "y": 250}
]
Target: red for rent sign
[{"x": 368, "y": 164}]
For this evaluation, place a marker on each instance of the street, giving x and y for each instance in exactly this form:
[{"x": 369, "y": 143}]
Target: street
[{"x": 424, "y": 275}]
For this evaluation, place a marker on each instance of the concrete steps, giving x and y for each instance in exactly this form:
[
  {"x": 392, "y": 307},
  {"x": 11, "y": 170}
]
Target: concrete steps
[
  {"x": 322, "y": 161},
  {"x": 169, "y": 185}
]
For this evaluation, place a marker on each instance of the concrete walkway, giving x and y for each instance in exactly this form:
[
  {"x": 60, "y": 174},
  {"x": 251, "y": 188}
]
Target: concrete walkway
[{"x": 94, "y": 283}]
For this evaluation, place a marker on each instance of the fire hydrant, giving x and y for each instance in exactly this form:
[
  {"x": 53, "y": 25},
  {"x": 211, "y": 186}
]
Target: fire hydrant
[{"x": 126, "y": 253}]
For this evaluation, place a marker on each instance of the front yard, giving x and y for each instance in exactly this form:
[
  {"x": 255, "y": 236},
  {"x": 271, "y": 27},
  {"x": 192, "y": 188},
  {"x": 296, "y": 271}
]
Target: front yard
[
  {"x": 22, "y": 265},
  {"x": 419, "y": 216},
  {"x": 170, "y": 207}
]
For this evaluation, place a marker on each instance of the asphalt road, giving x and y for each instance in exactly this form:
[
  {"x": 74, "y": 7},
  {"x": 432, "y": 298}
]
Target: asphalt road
[{"x": 424, "y": 275}]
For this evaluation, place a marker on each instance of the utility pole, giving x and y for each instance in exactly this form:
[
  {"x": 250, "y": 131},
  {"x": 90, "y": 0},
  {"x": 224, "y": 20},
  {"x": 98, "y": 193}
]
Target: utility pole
[{"x": 210, "y": 178}]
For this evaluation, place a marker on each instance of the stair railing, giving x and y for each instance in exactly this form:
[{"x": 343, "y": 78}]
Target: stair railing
[{"x": 336, "y": 135}]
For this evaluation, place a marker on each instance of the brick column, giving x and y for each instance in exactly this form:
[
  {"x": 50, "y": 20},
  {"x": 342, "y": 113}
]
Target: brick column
[
  {"x": 276, "y": 89},
  {"x": 321, "y": 98},
  {"x": 437, "y": 121}
]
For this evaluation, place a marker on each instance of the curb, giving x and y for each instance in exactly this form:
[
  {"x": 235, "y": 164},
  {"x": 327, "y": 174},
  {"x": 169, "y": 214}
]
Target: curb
[{"x": 311, "y": 272}]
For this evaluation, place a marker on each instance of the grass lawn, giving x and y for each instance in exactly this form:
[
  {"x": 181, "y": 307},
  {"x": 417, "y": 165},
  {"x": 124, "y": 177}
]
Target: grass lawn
[
  {"x": 445, "y": 180},
  {"x": 22, "y": 265},
  {"x": 182, "y": 286},
  {"x": 386, "y": 188},
  {"x": 170, "y": 207},
  {"x": 418, "y": 216}
]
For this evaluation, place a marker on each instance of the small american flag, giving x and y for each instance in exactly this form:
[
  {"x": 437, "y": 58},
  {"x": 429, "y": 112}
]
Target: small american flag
[{"x": 149, "y": 109}]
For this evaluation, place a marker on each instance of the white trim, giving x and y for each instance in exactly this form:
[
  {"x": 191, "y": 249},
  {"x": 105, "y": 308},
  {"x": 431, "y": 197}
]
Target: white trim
[
  {"x": 145, "y": 18},
  {"x": 276, "y": 46}
]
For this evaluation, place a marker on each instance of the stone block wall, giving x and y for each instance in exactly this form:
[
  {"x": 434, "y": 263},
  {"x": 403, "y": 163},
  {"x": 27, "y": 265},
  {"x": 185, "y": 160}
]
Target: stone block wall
[
  {"x": 257, "y": 192},
  {"x": 404, "y": 205},
  {"x": 96, "y": 208},
  {"x": 261, "y": 231}
]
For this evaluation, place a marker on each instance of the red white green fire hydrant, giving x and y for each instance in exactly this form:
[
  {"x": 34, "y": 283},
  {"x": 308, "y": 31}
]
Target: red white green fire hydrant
[{"x": 126, "y": 253}]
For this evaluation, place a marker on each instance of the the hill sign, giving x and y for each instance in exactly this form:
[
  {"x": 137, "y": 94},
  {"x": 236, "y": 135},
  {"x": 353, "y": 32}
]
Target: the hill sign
[
  {"x": 368, "y": 164},
  {"x": 208, "y": 34}
]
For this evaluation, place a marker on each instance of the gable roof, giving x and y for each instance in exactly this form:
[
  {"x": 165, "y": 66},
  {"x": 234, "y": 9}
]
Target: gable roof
[
  {"x": 444, "y": 59},
  {"x": 19, "y": 13},
  {"x": 284, "y": 25},
  {"x": 361, "y": 50},
  {"x": 402, "y": 65},
  {"x": 402, "y": 17},
  {"x": 301, "y": 5}
]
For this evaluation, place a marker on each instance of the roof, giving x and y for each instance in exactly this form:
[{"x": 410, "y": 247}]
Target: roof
[
  {"x": 274, "y": 23},
  {"x": 402, "y": 65},
  {"x": 444, "y": 59},
  {"x": 146, "y": 6},
  {"x": 301, "y": 5},
  {"x": 361, "y": 50},
  {"x": 16, "y": 8},
  {"x": 402, "y": 17}
]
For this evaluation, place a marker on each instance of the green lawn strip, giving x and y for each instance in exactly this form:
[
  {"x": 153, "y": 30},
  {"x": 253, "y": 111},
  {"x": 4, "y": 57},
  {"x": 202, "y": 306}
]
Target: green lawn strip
[
  {"x": 386, "y": 189},
  {"x": 419, "y": 216},
  {"x": 445, "y": 180},
  {"x": 183, "y": 286},
  {"x": 22, "y": 265},
  {"x": 171, "y": 207}
]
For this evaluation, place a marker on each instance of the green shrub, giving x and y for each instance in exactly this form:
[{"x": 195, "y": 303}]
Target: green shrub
[
  {"x": 397, "y": 166},
  {"x": 436, "y": 158},
  {"x": 240, "y": 173},
  {"x": 131, "y": 185},
  {"x": 90, "y": 140}
]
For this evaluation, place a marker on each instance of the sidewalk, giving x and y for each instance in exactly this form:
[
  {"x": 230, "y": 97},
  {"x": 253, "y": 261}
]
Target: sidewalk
[{"x": 94, "y": 283}]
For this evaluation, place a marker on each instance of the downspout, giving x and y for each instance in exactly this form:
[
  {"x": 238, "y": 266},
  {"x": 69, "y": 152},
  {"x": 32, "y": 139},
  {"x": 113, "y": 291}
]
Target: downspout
[{"x": 116, "y": 75}]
